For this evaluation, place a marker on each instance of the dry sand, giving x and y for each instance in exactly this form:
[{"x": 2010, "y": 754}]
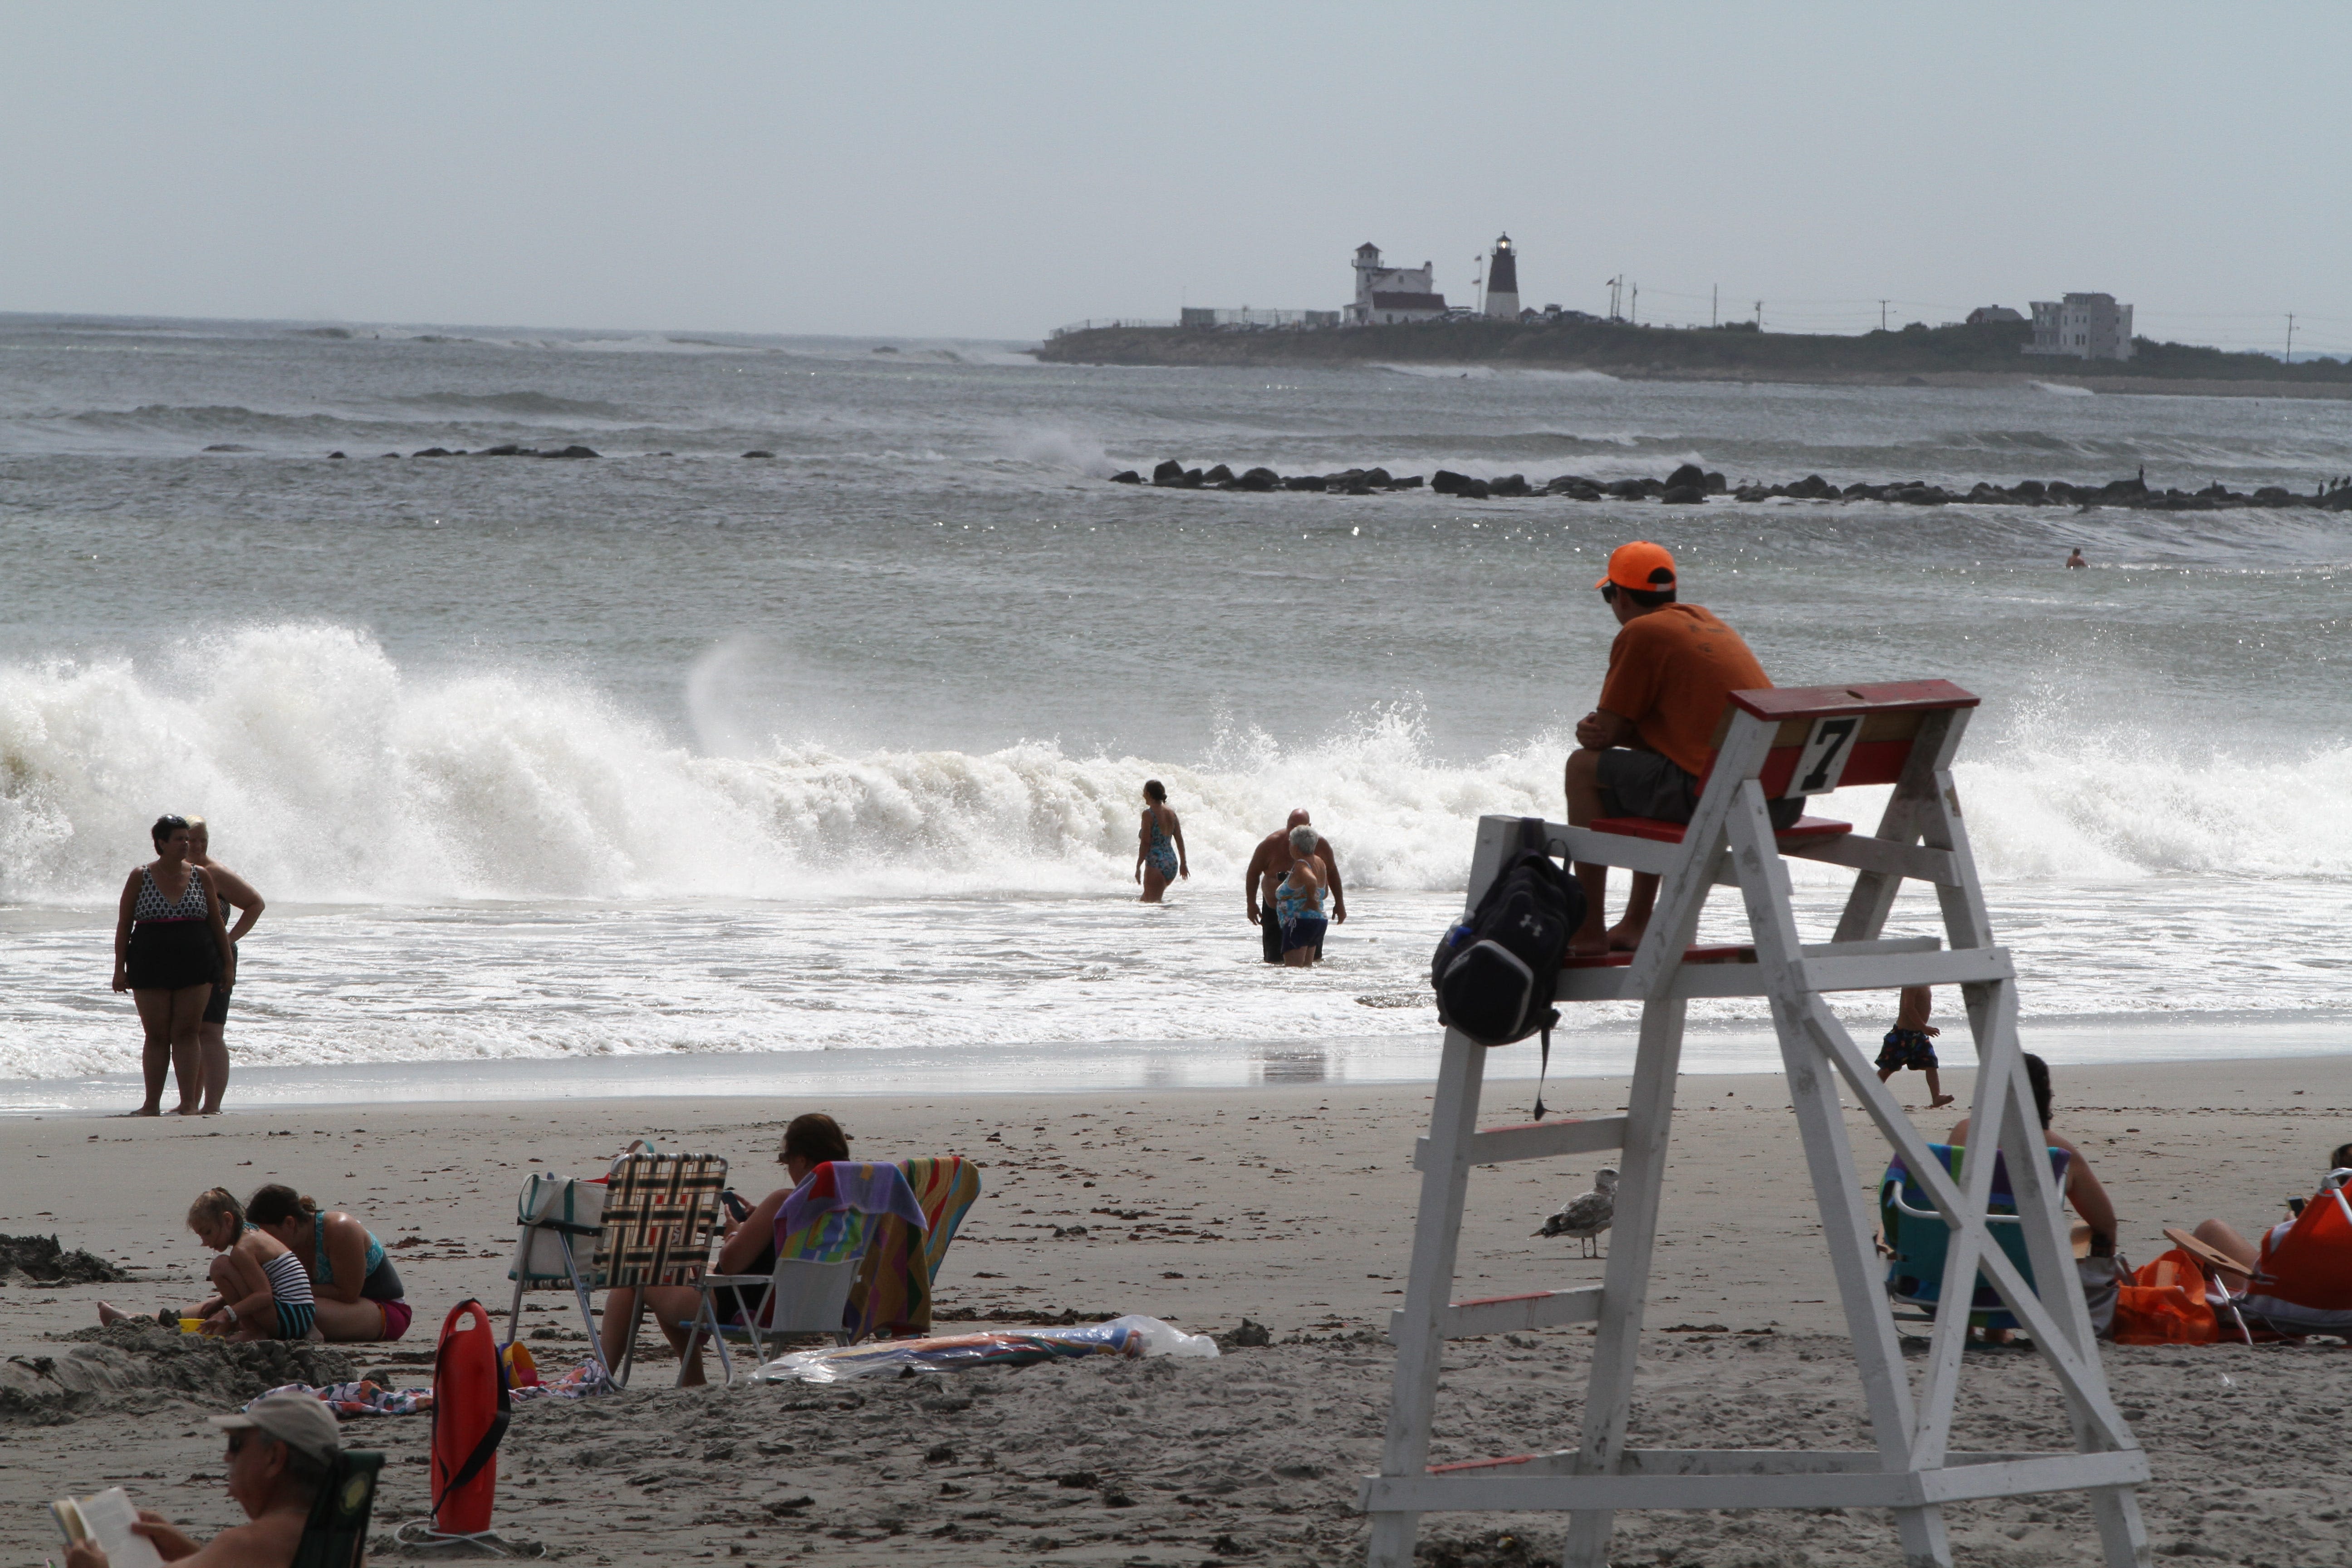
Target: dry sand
[{"x": 1290, "y": 1205}]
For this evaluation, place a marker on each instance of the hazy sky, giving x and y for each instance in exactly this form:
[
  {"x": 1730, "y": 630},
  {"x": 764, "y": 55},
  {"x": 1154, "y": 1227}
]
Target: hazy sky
[{"x": 995, "y": 169}]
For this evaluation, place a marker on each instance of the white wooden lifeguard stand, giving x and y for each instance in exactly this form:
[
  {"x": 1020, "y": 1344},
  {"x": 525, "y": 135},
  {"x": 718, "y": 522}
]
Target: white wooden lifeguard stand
[{"x": 1774, "y": 744}]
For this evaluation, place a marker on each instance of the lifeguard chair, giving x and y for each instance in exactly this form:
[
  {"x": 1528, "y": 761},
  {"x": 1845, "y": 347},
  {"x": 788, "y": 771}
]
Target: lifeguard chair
[{"x": 1773, "y": 744}]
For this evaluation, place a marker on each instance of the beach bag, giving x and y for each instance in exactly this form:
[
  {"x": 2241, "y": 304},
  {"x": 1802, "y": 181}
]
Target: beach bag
[
  {"x": 2167, "y": 1302},
  {"x": 552, "y": 1208},
  {"x": 470, "y": 1411},
  {"x": 1495, "y": 970}
]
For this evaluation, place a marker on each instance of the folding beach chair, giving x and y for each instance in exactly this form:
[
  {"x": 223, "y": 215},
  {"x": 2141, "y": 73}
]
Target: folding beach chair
[
  {"x": 807, "y": 1293},
  {"x": 892, "y": 1294},
  {"x": 335, "y": 1535},
  {"x": 654, "y": 1226},
  {"x": 1918, "y": 1237}
]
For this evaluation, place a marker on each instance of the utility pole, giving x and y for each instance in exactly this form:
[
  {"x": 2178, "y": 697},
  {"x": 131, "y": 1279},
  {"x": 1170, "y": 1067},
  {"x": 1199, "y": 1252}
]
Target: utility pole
[
  {"x": 1478, "y": 280},
  {"x": 1637, "y": 304},
  {"x": 1760, "y": 315},
  {"x": 1616, "y": 287},
  {"x": 2290, "y": 337},
  {"x": 1882, "y": 315},
  {"x": 1714, "y": 300}
]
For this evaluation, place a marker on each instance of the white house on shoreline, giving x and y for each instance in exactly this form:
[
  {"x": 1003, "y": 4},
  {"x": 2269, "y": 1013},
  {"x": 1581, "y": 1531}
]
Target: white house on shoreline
[
  {"x": 2081, "y": 326},
  {"x": 1385, "y": 295}
]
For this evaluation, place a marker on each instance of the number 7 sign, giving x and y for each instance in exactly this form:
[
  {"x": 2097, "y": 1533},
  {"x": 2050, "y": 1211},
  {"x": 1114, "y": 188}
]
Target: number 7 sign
[{"x": 1822, "y": 762}]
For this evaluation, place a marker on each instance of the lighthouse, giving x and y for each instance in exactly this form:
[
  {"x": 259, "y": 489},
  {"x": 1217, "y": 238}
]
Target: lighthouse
[{"x": 1503, "y": 281}]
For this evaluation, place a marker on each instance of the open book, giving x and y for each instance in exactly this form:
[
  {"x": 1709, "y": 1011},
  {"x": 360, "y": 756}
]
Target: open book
[{"x": 104, "y": 1522}]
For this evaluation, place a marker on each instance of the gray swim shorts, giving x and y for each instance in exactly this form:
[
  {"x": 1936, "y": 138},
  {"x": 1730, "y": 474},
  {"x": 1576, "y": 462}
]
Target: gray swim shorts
[{"x": 1650, "y": 783}]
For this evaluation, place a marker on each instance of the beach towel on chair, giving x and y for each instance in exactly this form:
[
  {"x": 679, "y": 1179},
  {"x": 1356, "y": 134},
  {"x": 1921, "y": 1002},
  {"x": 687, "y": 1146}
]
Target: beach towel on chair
[
  {"x": 893, "y": 1293},
  {"x": 832, "y": 1215}
]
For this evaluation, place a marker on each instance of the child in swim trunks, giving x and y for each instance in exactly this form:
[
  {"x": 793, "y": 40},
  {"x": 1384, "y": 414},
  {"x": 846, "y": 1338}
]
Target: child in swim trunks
[{"x": 1906, "y": 1045}]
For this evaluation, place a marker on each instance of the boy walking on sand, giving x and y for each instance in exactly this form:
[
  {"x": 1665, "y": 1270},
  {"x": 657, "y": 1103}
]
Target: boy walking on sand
[{"x": 1907, "y": 1045}]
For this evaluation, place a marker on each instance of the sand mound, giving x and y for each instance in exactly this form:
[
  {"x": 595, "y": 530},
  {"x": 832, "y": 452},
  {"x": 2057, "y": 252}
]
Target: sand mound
[
  {"x": 130, "y": 1364},
  {"x": 42, "y": 1261}
]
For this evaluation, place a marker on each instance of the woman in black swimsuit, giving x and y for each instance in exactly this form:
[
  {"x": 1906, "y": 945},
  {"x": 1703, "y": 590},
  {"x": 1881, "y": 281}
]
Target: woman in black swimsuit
[{"x": 170, "y": 947}]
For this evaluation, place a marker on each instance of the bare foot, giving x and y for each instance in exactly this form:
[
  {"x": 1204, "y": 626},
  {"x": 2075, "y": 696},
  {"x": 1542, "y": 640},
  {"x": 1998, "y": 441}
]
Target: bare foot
[
  {"x": 146, "y": 1110},
  {"x": 1582, "y": 946},
  {"x": 1942, "y": 1100},
  {"x": 1625, "y": 936},
  {"x": 109, "y": 1313},
  {"x": 186, "y": 1110}
]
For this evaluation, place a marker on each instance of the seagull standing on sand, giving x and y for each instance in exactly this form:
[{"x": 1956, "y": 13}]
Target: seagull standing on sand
[{"x": 1587, "y": 1215}]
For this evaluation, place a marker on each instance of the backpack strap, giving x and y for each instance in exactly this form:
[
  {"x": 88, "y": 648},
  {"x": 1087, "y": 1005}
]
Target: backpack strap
[{"x": 1551, "y": 1019}]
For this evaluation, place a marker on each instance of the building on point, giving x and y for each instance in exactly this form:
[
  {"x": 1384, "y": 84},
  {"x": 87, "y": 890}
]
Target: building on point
[
  {"x": 2081, "y": 326},
  {"x": 1503, "y": 281},
  {"x": 1985, "y": 315},
  {"x": 1386, "y": 295}
]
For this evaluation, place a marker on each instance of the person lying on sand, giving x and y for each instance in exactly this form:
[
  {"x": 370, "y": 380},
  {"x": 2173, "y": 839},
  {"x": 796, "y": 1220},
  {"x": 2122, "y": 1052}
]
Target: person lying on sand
[
  {"x": 2224, "y": 1238},
  {"x": 750, "y": 1248},
  {"x": 1643, "y": 750},
  {"x": 281, "y": 1450},
  {"x": 259, "y": 1290},
  {"x": 358, "y": 1292}
]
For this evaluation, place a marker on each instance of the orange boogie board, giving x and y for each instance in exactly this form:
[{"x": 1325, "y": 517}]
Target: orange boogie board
[{"x": 470, "y": 1417}]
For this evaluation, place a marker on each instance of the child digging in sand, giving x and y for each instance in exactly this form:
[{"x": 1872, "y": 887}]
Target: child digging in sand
[
  {"x": 1907, "y": 1045},
  {"x": 259, "y": 1288}
]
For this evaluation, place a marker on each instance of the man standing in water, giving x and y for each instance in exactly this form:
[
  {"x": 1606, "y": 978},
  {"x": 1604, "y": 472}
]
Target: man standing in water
[
  {"x": 2076, "y": 558},
  {"x": 212, "y": 1034},
  {"x": 1267, "y": 866},
  {"x": 1643, "y": 750}
]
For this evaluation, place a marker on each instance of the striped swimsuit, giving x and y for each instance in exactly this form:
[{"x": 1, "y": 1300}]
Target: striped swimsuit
[{"x": 292, "y": 1287}]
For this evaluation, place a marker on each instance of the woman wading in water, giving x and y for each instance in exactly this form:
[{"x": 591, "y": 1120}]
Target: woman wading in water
[
  {"x": 170, "y": 948},
  {"x": 1160, "y": 854}
]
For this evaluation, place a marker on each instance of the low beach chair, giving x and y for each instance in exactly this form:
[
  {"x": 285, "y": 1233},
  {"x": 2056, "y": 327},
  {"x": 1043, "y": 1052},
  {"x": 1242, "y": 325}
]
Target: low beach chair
[
  {"x": 892, "y": 1294},
  {"x": 2302, "y": 1283},
  {"x": 1916, "y": 1237},
  {"x": 335, "y": 1535},
  {"x": 807, "y": 1293}
]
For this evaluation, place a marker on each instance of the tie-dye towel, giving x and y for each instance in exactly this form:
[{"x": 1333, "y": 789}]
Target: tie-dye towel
[{"x": 893, "y": 1293}]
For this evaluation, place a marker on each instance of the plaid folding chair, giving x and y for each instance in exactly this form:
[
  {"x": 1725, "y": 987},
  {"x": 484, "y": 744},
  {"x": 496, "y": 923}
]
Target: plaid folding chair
[{"x": 659, "y": 1215}]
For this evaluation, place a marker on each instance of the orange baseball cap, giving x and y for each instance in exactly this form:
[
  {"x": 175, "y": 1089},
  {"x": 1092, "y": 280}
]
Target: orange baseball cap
[{"x": 1644, "y": 567}]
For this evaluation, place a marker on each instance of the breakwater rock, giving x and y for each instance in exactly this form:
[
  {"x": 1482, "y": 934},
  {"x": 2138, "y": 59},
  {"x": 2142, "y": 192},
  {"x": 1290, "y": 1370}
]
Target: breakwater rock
[{"x": 1691, "y": 485}]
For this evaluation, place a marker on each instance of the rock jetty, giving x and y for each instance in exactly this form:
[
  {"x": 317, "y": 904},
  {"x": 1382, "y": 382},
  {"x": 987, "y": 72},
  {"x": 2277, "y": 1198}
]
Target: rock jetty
[{"x": 1691, "y": 485}]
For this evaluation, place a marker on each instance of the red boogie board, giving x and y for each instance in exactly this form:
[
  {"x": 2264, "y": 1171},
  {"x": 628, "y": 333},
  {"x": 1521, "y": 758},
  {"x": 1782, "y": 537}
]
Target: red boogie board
[{"x": 469, "y": 1416}]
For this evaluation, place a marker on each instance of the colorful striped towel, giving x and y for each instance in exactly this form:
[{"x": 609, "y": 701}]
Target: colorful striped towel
[
  {"x": 893, "y": 1293},
  {"x": 813, "y": 1222}
]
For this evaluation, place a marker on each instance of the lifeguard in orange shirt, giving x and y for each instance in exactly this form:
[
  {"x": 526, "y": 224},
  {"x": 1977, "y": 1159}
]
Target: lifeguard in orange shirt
[{"x": 1645, "y": 750}]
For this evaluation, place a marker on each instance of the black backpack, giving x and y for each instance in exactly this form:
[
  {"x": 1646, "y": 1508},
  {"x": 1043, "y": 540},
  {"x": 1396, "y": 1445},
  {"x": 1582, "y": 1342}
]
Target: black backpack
[{"x": 1495, "y": 970}]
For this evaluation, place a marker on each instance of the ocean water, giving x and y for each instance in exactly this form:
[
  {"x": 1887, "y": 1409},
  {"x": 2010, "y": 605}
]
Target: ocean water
[{"x": 830, "y": 761}]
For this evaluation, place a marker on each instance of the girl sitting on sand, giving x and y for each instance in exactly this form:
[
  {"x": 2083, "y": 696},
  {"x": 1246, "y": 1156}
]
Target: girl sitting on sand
[
  {"x": 259, "y": 1290},
  {"x": 359, "y": 1294}
]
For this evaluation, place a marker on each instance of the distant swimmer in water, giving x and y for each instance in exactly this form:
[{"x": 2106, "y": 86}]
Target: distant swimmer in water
[
  {"x": 2076, "y": 558},
  {"x": 1160, "y": 854},
  {"x": 170, "y": 948},
  {"x": 237, "y": 893}
]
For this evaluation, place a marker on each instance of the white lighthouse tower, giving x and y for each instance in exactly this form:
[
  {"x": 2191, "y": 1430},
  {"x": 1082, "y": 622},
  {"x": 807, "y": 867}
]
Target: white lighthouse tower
[{"x": 1503, "y": 281}]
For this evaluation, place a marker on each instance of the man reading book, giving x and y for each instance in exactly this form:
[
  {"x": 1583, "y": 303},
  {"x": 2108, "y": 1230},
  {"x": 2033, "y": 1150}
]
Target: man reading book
[{"x": 281, "y": 1449}]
